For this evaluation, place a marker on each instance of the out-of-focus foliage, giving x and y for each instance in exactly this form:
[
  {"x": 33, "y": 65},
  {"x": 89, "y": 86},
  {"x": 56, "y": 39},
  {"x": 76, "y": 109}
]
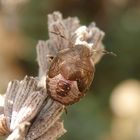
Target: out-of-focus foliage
[{"x": 120, "y": 19}]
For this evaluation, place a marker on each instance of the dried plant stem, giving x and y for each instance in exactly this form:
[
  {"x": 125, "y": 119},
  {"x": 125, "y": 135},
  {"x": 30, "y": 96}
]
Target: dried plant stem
[{"x": 28, "y": 112}]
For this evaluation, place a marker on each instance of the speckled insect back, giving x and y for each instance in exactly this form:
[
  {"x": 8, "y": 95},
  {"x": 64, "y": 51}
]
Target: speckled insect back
[{"x": 70, "y": 74}]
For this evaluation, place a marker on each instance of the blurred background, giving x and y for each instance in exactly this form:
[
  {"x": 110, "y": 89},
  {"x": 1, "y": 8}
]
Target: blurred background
[{"x": 111, "y": 110}]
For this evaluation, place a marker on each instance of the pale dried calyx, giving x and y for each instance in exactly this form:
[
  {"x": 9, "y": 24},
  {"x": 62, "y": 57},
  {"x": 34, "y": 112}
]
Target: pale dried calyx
[{"x": 28, "y": 112}]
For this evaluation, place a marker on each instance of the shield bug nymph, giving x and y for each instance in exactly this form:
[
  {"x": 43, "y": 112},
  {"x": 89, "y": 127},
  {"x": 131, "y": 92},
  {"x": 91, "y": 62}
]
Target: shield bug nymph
[
  {"x": 70, "y": 74},
  {"x": 72, "y": 70}
]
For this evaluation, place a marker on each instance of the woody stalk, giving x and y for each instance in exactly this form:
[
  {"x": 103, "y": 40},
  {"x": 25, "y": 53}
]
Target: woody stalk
[{"x": 29, "y": 112}]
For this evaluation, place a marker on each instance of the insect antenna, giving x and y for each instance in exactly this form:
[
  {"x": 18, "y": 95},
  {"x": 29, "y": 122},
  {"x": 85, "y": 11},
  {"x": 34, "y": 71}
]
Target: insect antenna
[
  {"x": 103, "y": 51},
  {"x": 110, "y": 53},
  {"x": 62, "y": 36}
]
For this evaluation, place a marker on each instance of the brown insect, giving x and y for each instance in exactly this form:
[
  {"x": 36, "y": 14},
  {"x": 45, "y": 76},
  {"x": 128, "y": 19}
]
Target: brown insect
[{"x": 70, "y": 74}]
